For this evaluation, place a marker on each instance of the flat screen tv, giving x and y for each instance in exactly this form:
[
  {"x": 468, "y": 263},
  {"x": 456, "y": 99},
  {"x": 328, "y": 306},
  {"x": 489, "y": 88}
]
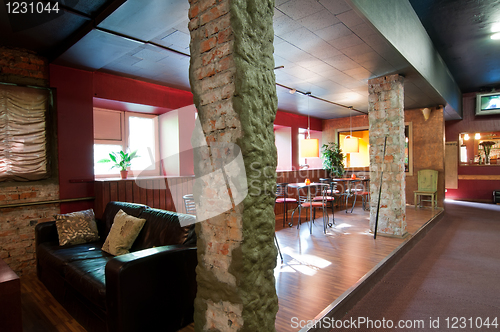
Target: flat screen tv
[{"x": 488, "y": 103}]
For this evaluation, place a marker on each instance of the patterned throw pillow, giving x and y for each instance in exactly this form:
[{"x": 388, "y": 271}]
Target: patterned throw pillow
[
  {"x": 122, "y": 234},
  {"x": 76, "y": 227}
]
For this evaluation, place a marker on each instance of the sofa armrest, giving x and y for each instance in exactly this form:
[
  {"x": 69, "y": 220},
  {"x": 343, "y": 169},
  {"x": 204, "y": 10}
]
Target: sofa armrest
[
  {"x": 151, "y": 289},
  {"x": 46, "y": 232}
]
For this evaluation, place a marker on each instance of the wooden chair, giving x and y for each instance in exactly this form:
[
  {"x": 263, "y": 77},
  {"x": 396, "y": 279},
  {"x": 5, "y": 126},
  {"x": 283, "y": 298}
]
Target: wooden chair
[
  {"x": 189, "y": 204},
  {"x": 427, "y": 186}
]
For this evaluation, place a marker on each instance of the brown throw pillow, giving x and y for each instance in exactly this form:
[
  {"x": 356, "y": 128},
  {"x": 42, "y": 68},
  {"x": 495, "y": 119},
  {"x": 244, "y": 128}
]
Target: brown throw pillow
[
  {"x": 76, "y": 227},
  {"x": 122, "y": 234}
]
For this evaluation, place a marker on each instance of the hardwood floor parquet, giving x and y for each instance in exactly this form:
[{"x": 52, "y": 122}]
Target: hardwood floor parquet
[
  {"x": 317, "y": 269},
  {"x": 41, "y": 312}
]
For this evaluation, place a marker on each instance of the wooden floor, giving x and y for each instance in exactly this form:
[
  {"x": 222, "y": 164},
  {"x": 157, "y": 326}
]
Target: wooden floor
[
  {"x": 316, "y": 270},
  {"x": 41, "y": 312}
]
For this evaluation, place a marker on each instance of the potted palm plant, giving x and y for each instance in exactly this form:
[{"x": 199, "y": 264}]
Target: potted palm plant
[
  {"x": 121, "y": 160},
  {"x": 333, "y": 159}
]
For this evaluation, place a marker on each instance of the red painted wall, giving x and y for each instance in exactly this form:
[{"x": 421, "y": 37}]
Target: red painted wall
[
  {"x": 297, "y": 120},
  {"x": 475, "y": 190},
  {"x": 78, "y": 90},
  {"x": 123, "y": 89},
  {"x": 75, "y": 134}
]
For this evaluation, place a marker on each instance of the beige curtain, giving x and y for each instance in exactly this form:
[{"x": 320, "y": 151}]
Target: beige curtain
[{"x": 23, "y": 142}]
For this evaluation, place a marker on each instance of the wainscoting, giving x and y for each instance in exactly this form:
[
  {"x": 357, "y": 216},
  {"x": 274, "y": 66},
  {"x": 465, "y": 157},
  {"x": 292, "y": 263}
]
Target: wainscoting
[{"x": 157, "y": 192}]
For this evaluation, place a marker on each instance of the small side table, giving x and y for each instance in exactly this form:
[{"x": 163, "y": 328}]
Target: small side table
[{"x": 10, "y": 300}]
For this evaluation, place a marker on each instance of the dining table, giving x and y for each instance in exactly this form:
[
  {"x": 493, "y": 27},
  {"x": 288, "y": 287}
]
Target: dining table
[
  {"x": 347, "y": 190},
  {"x": 308, "y": 186}
]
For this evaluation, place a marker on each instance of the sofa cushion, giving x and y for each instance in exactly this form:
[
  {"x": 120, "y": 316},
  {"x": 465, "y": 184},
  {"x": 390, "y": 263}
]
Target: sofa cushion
[
  {"x": 112, "y": 208},
  {"x": 87, "y": 277},
  {"x": 123, "y": 233},
  {"x": 52, "y": 255},
  {"x": 161, "y": 228},
  {"x": 76, "y": 227}
]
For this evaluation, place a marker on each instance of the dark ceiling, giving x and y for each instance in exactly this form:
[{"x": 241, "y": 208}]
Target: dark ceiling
[
  {"x": 461, "y": 31},
  {"x": 325, "y": 46}
]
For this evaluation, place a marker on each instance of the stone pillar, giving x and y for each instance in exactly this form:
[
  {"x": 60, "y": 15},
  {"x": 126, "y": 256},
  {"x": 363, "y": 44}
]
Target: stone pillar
[
  {"x": 234, "y": 90},
  {"x": 386, "y": 119}
]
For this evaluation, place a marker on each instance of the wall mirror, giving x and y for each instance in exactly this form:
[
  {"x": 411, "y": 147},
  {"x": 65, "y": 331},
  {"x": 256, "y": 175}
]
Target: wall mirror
[{"x": 480, "y": 148}]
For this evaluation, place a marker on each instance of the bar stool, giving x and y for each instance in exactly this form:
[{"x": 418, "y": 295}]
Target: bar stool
[{"x": 282, "y": 198}]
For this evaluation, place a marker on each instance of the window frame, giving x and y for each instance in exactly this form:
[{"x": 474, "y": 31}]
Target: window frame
[{"x": 125, "y": 143}]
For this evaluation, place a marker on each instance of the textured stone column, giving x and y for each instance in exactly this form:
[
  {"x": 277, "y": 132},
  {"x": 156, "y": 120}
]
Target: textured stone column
[
  {"x": 386, "y": 119},
  {"x": 233, "y": 83}
]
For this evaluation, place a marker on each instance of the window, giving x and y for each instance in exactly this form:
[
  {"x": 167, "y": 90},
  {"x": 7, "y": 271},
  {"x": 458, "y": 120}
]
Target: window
[
  {"x": 23, "y": 133},
  {"x": 362, "y": 159},
  {"x": 116, "y": 131}
]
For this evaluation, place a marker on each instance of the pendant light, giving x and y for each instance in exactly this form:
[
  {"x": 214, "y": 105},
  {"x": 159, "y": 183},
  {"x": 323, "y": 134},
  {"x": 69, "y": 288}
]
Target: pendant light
[
  {"x": 351, "y": 144},
  {"x": 309, "y": 147}
]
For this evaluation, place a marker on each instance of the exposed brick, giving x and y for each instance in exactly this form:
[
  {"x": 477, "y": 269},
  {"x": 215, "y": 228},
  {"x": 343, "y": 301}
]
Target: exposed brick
[
  {"x": 193, "y": 23},
  {"x": 208, "y": 44},
  {"x": 225, "y": 63},
  {"x": 28, "y": 195},
  {"x": 194, "y": 10},
  {"x": 27, "y": 66},
  {"x": 215, "y": 12},
  {"x": 205, "y": 4},
  {"x": 218, "y": 25},
  {"x": 225, "y": 36},
  {"x": 17, "y": 224}
]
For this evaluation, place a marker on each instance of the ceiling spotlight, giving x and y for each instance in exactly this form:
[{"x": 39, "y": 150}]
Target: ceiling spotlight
[
  {"x": 495, "y": 36},
  {"x": 292, "y": 91},
  {"x": 495, "y": 27}
]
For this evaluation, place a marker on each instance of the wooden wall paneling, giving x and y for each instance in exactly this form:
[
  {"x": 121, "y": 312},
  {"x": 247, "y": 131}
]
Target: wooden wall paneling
[
  {"x": 136, "y": 193},
  {"x": 150, "y": 194},
  {"x": 105, "y": 194},
  {"x": 122, "y": 193},
  {"x": 156, "y": 193},
  {"x": 170, "y": 203},
  {"x": 173, "y": 191},
  {"x": 163, "y": 195},
  {"x": 129, "y": 191},
  {"x": 98, "y": 203},
  {"x": 113, "y": 191},
  {"x": 143, "y": 191}
]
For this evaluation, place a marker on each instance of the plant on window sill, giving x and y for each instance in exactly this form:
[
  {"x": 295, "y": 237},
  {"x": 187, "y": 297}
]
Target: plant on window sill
[{"x": 121, "y": 160}]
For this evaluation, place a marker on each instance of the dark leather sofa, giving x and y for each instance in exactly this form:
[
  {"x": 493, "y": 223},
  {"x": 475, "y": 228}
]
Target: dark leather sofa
[{"x": 150, "y": 289}]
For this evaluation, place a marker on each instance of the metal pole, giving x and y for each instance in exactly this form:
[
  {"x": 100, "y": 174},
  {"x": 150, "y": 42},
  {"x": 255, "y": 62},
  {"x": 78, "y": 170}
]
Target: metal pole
[{"x": 380, "y": 190}]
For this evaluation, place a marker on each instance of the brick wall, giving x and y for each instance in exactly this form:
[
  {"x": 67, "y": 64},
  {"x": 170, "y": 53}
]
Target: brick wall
[
  {"x": 428, "y": 149},
  {"x": 17, "y": 224},
  {"x": 23, "y": 67},
  {"x": 17, "y": 235}
]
